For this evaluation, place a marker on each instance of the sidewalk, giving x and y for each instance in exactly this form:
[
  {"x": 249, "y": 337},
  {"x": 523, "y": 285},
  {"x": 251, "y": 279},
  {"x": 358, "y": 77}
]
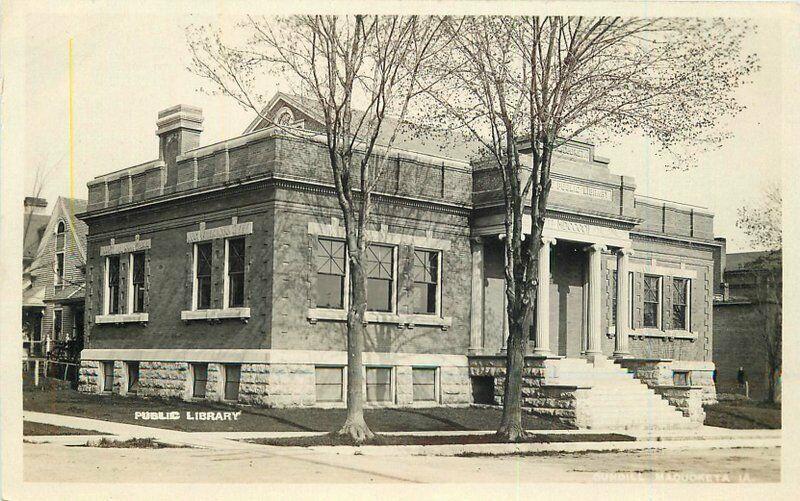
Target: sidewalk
[{"x": 703, "y": 438}]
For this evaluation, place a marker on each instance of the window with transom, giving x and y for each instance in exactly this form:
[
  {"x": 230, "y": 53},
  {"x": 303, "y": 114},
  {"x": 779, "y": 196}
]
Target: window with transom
[
  {"x": 236, "y": 272},
  {"x": 380, "y": 277},
  {"x": 652, "y": 299},
  {"x": 203, "y": 263},
  {"x": 426, "y": 282},
  {"x": 680, "y": 303},
  {"x": 329, "y": 260}
]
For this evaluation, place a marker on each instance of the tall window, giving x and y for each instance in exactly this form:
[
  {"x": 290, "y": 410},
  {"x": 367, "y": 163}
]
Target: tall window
[
  {"x": 380, "y": 277},
  {"x": 235, "y": 272},
  {"x": 329, "y": 260},
  {"x": 680, "y": 302},
  {"x": 58, "y": 324},
  {"x": 426, "y": 281},
  {"x": 58, "y": 279},
  {"x": 137, "y": 282},
  {"x": 112, "y": 286},
  {"x": 203, "y": 260},
  {"x": 652, "y": 299}
]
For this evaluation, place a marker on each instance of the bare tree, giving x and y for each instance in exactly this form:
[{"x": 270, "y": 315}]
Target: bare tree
[
  {"x": 361, "y": 72},
  {"x": 520, "y": 87},
  {"x": 763, "y": 224}
]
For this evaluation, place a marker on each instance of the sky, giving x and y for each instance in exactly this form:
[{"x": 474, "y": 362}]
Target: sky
[{"x": 130, "y": 65}]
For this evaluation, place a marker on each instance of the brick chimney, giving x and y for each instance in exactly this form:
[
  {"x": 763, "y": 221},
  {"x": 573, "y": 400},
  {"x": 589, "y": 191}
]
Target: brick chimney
[
  {"x": 178, "y": 131},
  {"x": 35, "y": 205}
]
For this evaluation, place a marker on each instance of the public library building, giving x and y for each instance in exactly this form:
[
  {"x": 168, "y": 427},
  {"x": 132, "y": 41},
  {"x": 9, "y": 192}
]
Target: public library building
[{"x": 219, "y": 272}]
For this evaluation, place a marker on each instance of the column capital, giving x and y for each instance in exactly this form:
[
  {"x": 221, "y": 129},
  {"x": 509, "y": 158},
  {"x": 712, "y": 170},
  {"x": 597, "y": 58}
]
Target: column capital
[
  {"x": 595, "y": 248},
  {"x": 476, "y": 240},
  {"x": 548, "y": 241},
  {"x": 626, "y": 251}
]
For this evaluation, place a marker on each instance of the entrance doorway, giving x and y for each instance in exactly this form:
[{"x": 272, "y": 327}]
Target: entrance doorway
[{"x": 567, "y": 299}]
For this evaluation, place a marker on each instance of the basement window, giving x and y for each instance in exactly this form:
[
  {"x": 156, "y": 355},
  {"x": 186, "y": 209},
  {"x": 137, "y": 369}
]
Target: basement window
[
  {"x": 424, "y": 384},
  {"x": 133, "y": 377},
  {"x": 199, "y": 380},
  {"x": 329, "y": 384},
  {"x": 233, "y": 373},
  {"x": 681, "y": 378},
  {"x": 108, "y": 377},
  {"x": 379, "y": 384}
]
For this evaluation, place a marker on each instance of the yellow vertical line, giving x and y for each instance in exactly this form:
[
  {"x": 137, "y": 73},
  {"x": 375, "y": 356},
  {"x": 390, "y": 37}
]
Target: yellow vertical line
[
  {"x": 71, "y": 149},
  {"x": 71, "y": 144}
]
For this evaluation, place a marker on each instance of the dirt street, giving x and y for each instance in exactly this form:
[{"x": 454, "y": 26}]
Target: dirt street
[{"x": 58, "y": 463}]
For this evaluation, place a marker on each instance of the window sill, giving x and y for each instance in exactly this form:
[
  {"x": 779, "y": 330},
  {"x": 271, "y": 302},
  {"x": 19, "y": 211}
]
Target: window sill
[
  {"x": 122, "y": 318},
  {"x": 375, "y": 317},
  {"x": 217, "y": 315},
  {"x": 669, "y": 334}
]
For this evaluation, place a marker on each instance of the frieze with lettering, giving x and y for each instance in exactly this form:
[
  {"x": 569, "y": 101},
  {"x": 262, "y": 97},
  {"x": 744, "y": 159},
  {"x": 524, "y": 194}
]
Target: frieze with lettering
[{"x": 581, "y": 190}]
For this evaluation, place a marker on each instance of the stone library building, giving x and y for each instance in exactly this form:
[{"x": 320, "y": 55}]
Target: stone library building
[{"x": 220, "y": 272}]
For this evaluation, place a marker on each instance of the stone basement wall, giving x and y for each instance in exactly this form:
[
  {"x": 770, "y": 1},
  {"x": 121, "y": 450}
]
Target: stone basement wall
[
  {"x": 268, "y": 385},
  {"x": 688, "y": 399},
  {"x": 554, "y": 401},
  {"x": 89, "y": 376},
  {"x": 657, "y": 373},
  {"x": 278, "y": 385},
  {"x": 164, "y": 379}
]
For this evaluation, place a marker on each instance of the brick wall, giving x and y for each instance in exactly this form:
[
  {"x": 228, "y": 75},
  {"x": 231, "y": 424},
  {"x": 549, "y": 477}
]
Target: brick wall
[
  {"x": 738, "y": 344},
  {"x": 169, "y": 268}
]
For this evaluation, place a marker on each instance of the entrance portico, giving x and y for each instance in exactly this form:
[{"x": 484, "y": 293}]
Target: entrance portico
[{"x": 569, "y": 314}]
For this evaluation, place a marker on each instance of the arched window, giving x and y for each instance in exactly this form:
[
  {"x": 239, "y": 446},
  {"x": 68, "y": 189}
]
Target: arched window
[{"x": 58, "y": 279}]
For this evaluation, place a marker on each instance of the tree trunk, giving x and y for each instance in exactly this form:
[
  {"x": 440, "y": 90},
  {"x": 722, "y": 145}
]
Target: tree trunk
[
  {"x": 772, "y": 390},
  {"x": 511, "y": 429},
  {"x": 355, "y": 427}
]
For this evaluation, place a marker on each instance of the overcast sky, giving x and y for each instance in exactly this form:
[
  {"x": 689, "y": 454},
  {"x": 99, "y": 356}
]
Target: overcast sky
[{"x": 129, "y": 66}]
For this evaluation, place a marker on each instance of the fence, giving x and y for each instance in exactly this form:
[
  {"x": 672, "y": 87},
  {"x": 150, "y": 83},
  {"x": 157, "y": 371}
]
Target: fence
[{"x": 56, "y": 369}]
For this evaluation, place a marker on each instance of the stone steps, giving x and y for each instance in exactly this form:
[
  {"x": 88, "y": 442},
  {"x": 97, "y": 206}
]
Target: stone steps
[{"x": 614, "y": 399}]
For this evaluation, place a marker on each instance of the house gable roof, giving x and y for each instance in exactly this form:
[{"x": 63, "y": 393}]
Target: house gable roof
[
  {"x": 409, "y": 136},
  {"x": 64, "y": 210}
]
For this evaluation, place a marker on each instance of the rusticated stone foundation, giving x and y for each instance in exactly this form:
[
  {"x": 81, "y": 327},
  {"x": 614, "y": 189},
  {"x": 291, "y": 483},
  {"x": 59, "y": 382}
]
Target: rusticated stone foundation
[
  {"x": 278, "y": 385},
  {"x": 269, "y": 385},
  {"x": 688, "y": 399},
  {"x": 538, "y": 397},
  {"x": 89, "y": 376},
  {"x": 163, "y": 379},
  {"x": 660, "y": 373}
]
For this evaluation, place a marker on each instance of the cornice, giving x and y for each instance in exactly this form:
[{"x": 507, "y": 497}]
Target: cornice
[{"x": 687, "y": 242}]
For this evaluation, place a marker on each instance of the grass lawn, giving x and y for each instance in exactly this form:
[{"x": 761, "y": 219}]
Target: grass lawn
[
  {"x": 37, "y": 429},
  {"x": 744, "y": 415},
  {"x": 58, "y": 398},
  {"x": 330, "y": 439}
]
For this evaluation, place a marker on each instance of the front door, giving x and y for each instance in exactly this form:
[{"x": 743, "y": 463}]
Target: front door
[{"x": 567, "y": 315}]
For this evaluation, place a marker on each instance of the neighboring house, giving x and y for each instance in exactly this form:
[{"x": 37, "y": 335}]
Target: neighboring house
[
  {"x": 57, "y": 274},
  {"x": 743, "y": 316},
  {"x": 220, "y": 272},
  {"x": 34, "y": 223}
]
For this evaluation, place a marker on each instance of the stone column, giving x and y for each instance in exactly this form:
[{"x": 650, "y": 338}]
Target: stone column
[
  {"x": 476, "y": 318},
  {"x": 623, "y": 305},
  {"x": 542, "y": 342},
  {"x": 593, "y": 346}
]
